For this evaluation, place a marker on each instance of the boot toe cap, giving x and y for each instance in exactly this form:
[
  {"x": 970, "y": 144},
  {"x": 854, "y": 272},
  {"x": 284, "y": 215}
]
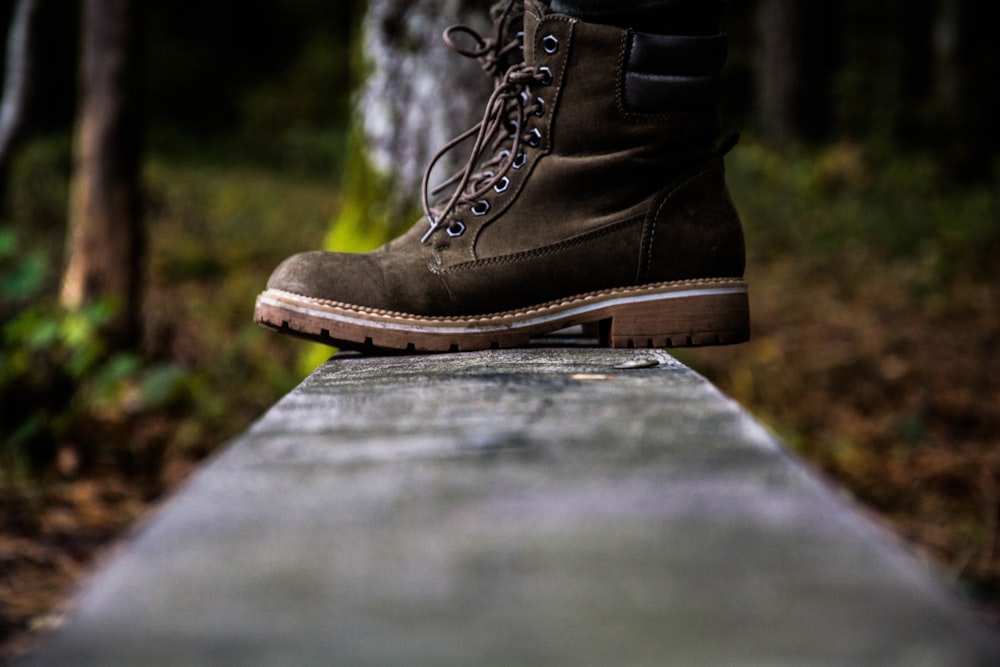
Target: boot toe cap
[
  {"x": 299, "y": 274},
  {"x": 343, "y": 277}
]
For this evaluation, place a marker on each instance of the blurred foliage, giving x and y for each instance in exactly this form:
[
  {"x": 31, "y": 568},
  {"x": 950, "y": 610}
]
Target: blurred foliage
[
  {"x": 267, "y": 81},
  {"x": 204, "y": 370},
  {"x": 38, "y": 189},
  {"x": 207, "y": 218},
  {"x": 57, "y": 379},
  {"x": 820, "y": 202}
]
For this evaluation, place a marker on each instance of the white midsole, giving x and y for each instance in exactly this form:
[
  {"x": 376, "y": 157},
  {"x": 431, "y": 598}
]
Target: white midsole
[{"x": 485, "y": 326}]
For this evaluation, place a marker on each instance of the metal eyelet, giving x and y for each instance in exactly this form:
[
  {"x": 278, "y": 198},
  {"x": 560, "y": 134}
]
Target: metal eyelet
[
  {"x": 481, "y": 207},
  {"x": 519, "y": 160},
  {"x": 456, "y": 228},
  {"x": 535, "y": 137},
  {"x": 520, "y": 38},
  {"x": 540, "y": 111},
  {"x": 546, "y": 78},
  {"x": 512, "y": 124},
  {"x": 550, "y": 44},
  {"x": 502, "y": 185}
]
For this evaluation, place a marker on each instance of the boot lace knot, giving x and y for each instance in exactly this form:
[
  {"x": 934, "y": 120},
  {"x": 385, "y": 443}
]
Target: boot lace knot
[{"x": 491, "y": 52}]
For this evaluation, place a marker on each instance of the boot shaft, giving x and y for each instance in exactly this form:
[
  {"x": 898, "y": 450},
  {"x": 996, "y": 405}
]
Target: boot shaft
[
  {"x": 618, "y": 89},
  {"x": 618, "y": 117}
]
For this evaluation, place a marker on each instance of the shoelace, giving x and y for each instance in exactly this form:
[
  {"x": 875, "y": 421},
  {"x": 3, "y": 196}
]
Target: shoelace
[
  {"x": 490, "y": 52},
  {"x": 504, "y": 123},
  {"x": 509, "y": 105}
]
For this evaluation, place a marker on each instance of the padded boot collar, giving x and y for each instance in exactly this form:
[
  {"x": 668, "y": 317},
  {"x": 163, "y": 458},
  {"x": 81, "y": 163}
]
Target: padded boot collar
[{"x": 668, "y": 73}]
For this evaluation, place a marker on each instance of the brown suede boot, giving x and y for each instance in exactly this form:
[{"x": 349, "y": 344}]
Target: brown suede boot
[{"x": 593, "y": 194}]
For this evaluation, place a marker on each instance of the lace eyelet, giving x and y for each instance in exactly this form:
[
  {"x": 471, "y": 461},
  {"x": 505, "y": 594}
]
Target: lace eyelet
[
  {"x": 502, "y": 185},
  {"x": 550, "y": 44},
  {"x": 512, "y": 124},
  {"x": 535, "y": 137},
  {"x": 481, "y": 207},
  {"x": 546, "y": 76},
  {"x": 519, "y": 160},
  {"x": 540, "y": 111},
  {"x": 456, "y": 228}
]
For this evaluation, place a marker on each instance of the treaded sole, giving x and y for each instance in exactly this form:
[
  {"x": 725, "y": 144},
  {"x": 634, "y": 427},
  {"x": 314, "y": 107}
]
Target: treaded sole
[{"x": 671, "y": 314}]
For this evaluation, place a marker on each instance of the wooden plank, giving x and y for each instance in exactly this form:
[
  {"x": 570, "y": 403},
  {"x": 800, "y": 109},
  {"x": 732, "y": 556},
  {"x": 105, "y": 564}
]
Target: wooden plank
[{"x": 539, "y": 507}]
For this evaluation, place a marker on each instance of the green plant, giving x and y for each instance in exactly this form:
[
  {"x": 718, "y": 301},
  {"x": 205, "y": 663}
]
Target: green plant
[
  {"x": 851, "y": 198},
  {"x": 57, "y": 376}
]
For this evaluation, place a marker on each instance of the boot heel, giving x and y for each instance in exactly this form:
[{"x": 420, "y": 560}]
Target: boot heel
[{"x": 681, "y": 319}]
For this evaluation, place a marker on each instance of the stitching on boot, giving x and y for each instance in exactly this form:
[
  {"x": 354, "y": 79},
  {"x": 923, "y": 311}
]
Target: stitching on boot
[
  {"x": 645, "y": 248},
  {"x": 626, "y": 113},
  {"x": 516, "y": 312},
  {"x": 541, "y": 252},
  {"x": 623, "y": 55},
  {"x": 664, "y": 74},
  {"x": 657, "y": 210},
  {"x": 559, "y": 64},
  {"x": 528, "y": 170}
]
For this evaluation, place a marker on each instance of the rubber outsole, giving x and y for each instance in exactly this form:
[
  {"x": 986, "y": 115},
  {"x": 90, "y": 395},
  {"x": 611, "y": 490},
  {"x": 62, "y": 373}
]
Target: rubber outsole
[{"x": 671, "y": 314}]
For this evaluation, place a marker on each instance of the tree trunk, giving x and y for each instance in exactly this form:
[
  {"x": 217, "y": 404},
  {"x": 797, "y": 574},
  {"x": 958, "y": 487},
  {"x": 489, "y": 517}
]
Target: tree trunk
[
  {"x": 420, "y": 94},
  {"x": 17, "y": 77},
  {"x": 777, "y": 70},
  {"x": 104, "y": 239},
  {"x": 947, "y": 69},
  {"x": 414, "y": 95}
]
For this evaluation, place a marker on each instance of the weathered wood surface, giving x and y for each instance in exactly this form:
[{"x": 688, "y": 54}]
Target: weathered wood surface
[{"x": 534, "y": 507}]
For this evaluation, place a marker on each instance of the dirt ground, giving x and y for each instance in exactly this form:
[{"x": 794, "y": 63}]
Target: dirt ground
[{"x": 48, "y": 542}]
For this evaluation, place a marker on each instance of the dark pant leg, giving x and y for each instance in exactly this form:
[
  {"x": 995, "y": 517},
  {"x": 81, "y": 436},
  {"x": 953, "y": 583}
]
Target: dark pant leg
[{"x": 677, "y": 17}]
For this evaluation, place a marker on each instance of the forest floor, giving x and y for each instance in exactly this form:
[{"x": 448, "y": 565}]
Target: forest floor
[{"x": 875, "y": 360}]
